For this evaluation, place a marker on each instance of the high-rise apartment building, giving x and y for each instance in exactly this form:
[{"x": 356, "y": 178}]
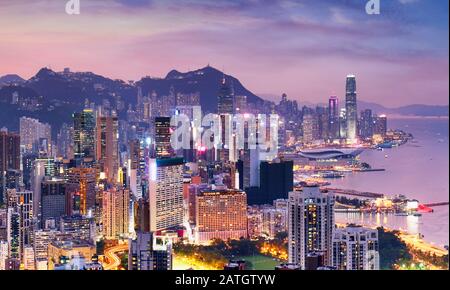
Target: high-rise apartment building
[
  {"x": 107, "y": 147},
  {"x": 35, "y": 136},
  {"x": 311, "y": 224},
  {"x": 9, "y": 158},
  {"x": 355, "y": 248},
  {"x": 115, "y": 213},
  {"x": 81, "y": 191}
]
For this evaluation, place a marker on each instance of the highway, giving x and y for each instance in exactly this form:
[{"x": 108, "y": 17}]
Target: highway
[{"x": 113, "y": 261}]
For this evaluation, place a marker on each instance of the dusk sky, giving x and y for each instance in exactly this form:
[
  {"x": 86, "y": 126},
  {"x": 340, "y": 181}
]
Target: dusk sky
[{"x": 304, "y": 48}]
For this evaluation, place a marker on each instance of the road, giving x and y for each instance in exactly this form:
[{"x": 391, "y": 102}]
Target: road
[
  {"x": 417, "y": 243},
  {"x": 113, "y": 261}
]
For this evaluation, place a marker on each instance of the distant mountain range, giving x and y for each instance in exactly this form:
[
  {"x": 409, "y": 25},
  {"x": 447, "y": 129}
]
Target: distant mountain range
[{"x": 61, "y": 93}]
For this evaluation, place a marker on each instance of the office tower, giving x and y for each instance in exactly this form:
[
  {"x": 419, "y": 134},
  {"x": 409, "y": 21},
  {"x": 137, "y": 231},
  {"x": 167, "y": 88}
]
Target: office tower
[
  {"x": 84, "y": 134},
  {"x": 355, "y": 248},
  {"x": 165, "y": 193},
  {"x": 333, "y": 117},
  {"x": 9, "y": 158},
  {"x": 148, "y": 252},
  {"x": 225, "y": 98},
  {"x": 311, "y": 224},
  {"x": 3, "y": 254},
  {"x": 78, "y": 226},
  {"x": 240, "y": 104},
  {"x": 366, "y": 124},
  {"x": 64, "y": 140},
  {"x": 115, "y": 213},
  {"x": 135, "y": 154},
  {"x": 107, "y": 147},
  {"x": 310, "y": 128},
  {"x": 53, "y": 200},
  {"x": 343, "y": 123},
  {"x": 28, "y": 258},
  {"x": 276, "y": 181},
  {"x": 221, "y": 215},
  {"x": 162, "y": 137},
  {"x": 42, "y": 168},
  {"x": 81, "y": 192},
  {"x": 33, "y": 134},
  {"x": 351, "y": 108},
  {"x": 380, "y": 125}
]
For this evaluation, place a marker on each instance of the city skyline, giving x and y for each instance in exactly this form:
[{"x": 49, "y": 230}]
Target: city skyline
[{"x": 400, "y": 57}]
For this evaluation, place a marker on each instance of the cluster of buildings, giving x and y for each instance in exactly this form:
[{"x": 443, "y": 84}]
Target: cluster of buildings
[
  {"x": 107, "y": 177},
  {"x": 333, "y": 124}
]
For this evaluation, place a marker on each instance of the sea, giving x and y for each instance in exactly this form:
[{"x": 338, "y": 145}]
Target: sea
[{"x": 418, "y": 169}]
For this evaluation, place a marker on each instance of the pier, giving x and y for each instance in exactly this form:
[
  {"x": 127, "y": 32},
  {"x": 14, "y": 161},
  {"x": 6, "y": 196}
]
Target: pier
[{"x": 355, "y": 193}]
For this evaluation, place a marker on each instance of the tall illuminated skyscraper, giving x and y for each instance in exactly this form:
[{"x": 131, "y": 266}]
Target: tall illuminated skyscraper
[
  {"x": 351, "y": 108},
  {"x": 225, "y": 99},
  {"x": 107, "y": 147},
  {"x": 163, "y": 146},
  {"x": 84, "y": 134},
  {"x": 81, "y": 184},
  {"x": 311, "y": 224},
  {"x": 165, "y": 193},
  {"x": 333, "y": 117}
]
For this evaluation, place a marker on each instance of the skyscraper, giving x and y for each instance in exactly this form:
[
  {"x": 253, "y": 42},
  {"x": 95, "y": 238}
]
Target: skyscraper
[
  {"x": 84, "y": 134},
  {"x": 53, "y": 200},
  {"x": 355, "y": 248},
  {"x": 165, "y": 193},
  {"x": 333, "y": 117},
  {"x": 366, "y": 124},
  {"x": 311, "y": 224},
  {"x": 9, "y": 158},
  {"x": 81, "y": 190},
  {"x": 380, "y": 125},
  {"x": 107, "y": 147},
  {"x": 351, "y": 108},
  {"x": 220, "y": 214},
  {"x": 162, "y": 137},
  {"x": 115, "y": 213},
  {"x": 276, "y": 180},
  {"x": 225, "y": 98}
]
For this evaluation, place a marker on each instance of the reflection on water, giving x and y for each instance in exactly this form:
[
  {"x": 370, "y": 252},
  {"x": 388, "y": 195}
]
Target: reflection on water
[
  {"x": 433, "y": 226},
  {"x": 419, "y": 170}
]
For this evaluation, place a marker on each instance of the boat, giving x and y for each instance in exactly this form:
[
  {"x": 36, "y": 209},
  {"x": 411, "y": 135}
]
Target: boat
[
  {"x": 417, "y": 214},
  {"x": 401, "y": 214}
]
